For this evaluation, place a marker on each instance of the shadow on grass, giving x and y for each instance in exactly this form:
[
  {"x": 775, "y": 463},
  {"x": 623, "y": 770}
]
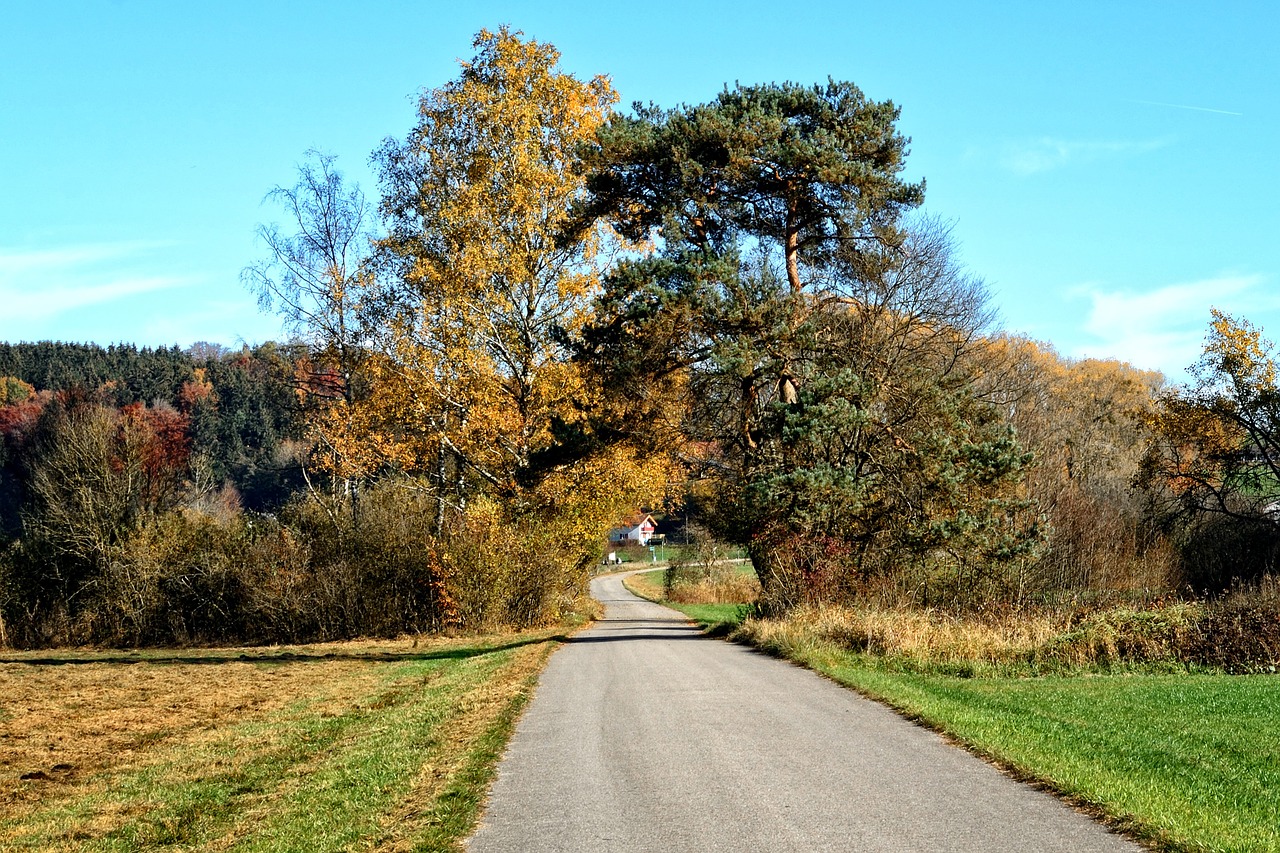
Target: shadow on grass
[
  {"x": 283, "y": 657},
  {"x": 719, "y": 629}
]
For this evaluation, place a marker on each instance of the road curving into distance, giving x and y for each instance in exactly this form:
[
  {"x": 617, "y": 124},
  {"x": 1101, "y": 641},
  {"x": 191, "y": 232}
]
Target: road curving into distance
[{"x": 646, "y": 736}]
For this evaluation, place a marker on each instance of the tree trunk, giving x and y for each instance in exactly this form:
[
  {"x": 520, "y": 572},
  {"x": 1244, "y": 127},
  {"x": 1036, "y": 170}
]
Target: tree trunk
[
  {"x": 442, "y": 475},
  {"x": 792, "y": 250},
  {"x": 786, "y": 383}
]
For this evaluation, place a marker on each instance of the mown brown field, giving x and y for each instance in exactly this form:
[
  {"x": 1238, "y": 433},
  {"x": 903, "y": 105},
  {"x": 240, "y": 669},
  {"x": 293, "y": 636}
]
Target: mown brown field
[{"x": 222, "y": 748}]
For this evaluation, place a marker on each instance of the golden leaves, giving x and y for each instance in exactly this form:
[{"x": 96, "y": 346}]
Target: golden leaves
[
  {"x": 1236, "y": 354},
  {"x": 471, "y": 372},
  {"x": 1214, "y": 443}
]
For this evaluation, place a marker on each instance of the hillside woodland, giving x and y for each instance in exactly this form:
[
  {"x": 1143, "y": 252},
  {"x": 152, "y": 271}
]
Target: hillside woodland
[{"x": 556, "y": 312}]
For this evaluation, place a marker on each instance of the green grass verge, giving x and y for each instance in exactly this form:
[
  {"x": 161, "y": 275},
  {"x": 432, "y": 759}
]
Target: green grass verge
[
  {"x": 716, "y": 619},
  {"x": 455, "y": 812},
  {"x": 1189, "y": 762},
  {"x": 646, "y": 585}
]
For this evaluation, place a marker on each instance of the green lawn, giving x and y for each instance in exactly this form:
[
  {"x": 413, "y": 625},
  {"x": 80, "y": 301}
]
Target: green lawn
[
  {"x": 1191, "y": 762},
  {"x": 1187, "y": 761},
  {"x": 715, "y": 619}
]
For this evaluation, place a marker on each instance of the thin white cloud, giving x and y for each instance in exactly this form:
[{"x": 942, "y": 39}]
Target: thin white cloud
[
  {"x": 1187, "y": 107},
  {"x": 1164, "y": 328},
  {"x": 1045, "y": 154},
  {"x": 51, "y": 298},
  {"x": 140, "y": 292},
  {"x": 17, "y": 262},
  {"x": 39, "y": 285}
]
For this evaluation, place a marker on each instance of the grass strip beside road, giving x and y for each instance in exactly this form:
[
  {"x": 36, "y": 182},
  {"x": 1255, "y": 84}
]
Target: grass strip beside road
[
  {"x": 647, "y": 585},
  {"x": 1190, "y": 762},
  {"x": 1185, "y": 761},
  {"x": 376, "y": 747}
]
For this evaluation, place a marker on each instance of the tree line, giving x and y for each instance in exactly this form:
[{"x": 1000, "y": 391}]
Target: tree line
[{"x": 557, "y": 312}]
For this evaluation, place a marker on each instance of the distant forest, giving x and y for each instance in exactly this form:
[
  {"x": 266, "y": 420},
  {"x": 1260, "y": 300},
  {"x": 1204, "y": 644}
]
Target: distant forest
[{"x": 241, "y": 411}]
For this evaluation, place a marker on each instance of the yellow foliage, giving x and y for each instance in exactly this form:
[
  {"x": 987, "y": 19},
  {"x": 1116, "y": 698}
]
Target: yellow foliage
[
  {"x": 1236, "y": 359},
  {"x": 467, "y": 375},
  {"x": 1213, "y": 443},
  {"x": 13, "y": 390},
  {"x": 1088, "y": 423},
  {"x": 483, "y": 189},
  {"x": 1082, "y": 418}
]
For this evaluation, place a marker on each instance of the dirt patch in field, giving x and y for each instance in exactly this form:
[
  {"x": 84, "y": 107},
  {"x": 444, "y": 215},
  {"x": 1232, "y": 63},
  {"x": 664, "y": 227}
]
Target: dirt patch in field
[{"x": 67, "y": 716}]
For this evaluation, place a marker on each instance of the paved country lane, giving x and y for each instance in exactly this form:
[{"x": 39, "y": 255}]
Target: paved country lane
[{"x": 646, "y": 736}]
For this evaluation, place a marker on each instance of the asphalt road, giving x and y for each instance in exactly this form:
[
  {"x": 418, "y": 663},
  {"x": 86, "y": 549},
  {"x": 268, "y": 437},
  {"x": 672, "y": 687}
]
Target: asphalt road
[{"x": 645, "y": 736}]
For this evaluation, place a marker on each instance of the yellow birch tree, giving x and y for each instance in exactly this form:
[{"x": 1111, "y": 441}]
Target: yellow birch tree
[{"x": 481, "y": 285}]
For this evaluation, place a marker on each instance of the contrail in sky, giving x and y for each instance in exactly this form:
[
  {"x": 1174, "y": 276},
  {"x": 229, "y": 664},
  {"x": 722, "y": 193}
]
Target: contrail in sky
[{"x": 1185, "y": 107}]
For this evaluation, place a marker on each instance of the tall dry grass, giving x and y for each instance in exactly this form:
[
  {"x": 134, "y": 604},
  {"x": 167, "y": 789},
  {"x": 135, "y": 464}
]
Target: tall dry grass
[
  {"x": 905, "y": 634},
  {"x": 1238, "y": 634},
  {"x": 716, "y": 583}
]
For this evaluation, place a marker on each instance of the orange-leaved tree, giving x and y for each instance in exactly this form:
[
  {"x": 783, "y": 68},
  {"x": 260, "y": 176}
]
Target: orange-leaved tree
[
  {"x": 480, "y": 283},
  {"x": 1086, "y": 422},
  {"x": 1213, "y": 465},
  {"x": 1217, "y": 442}
]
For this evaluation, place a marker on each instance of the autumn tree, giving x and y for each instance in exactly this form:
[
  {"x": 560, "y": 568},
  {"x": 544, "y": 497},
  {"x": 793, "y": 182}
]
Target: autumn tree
[
  {"x": 1217, "y": 442},
  {"x": 484, "y": 279},
  {"x": 14, "y": 391},
  {"x": 316, "y": 276},
  {"x": 1215, "y": 452},
  {"x": 18, "y": 420},
  {"x": 473, "y": 392},
  {"x": 95, "y": 476},
  {"x": 821, "y": 341},
  {"x": 1085, "y": 421}
]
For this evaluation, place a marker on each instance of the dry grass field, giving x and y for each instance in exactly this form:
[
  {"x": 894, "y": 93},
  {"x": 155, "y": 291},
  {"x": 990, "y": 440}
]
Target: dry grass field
[{"x": 368, "y": 745}]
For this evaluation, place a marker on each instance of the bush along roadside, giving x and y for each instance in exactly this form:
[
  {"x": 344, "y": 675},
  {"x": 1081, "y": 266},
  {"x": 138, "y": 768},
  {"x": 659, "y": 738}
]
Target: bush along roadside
[{"x": 1235, "y": 633}]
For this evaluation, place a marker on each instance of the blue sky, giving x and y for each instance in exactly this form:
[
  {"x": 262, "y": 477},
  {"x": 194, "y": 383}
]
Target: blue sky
[{"x": 1110, "y": 168}]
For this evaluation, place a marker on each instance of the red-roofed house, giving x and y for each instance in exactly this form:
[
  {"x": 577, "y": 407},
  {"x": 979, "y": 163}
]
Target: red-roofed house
[{"x": 635, "y": 529}]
